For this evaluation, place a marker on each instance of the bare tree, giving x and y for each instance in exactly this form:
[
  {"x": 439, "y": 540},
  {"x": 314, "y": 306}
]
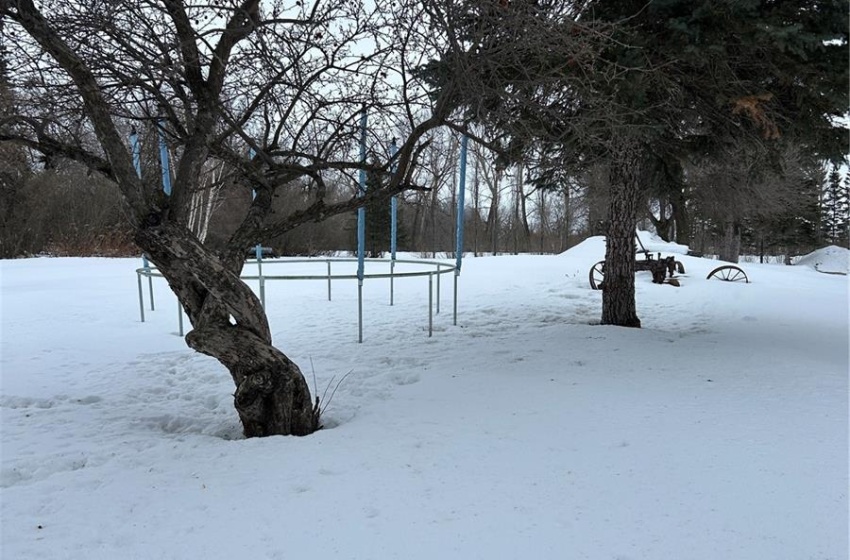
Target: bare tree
[
  {"x": 437, "y": 173},
  {"x": 290, "y": 83},
  {"x": 492, "y": 175},
  {"x": 476, "y": 206},
  {"x": 775, "y": 195},
  {"x": 520, "y": 227},
  {"x": 207, "y": 199}
]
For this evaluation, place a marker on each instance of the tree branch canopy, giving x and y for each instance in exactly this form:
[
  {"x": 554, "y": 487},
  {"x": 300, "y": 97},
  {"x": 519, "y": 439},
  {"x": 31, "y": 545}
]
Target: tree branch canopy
[
  {"x": 25, "y": 13},
  {"x": 284, "y": 83}
]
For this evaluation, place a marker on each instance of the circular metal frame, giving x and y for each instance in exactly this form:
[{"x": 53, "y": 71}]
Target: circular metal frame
[
  {"x": 432, "y": 268},
  {"x": 728, "y": 273}
]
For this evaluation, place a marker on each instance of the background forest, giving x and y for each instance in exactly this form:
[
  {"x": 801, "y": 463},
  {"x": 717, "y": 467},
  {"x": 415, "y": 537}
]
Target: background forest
[{"x": 60, "y": 208}]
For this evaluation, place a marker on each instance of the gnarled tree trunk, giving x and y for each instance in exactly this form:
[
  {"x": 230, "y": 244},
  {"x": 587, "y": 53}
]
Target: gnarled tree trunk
[{"x": 272, "y": 397}]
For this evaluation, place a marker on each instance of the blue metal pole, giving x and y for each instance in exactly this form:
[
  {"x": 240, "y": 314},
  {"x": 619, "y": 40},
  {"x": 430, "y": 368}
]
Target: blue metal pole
[
  {"x": 163, "y": 159},
  {"x": 361, "y": 212},
  {"x": 460, "y": 200},
  {"x": 136, "y": 150},
  {"x": 393, "y": 224},
  {"x": 258, "y": 249},
  {"x": 393, "y": 206}
]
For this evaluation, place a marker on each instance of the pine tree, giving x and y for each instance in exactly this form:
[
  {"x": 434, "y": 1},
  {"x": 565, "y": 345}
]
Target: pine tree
[
  {"x": 378, "y": 221},
  {"x": 835, "y": 209},
  {"x": 635, "y": 82}
]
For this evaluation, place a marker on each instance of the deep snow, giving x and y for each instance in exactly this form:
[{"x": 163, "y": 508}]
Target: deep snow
[
  {"x": 717, "y": 431},
  {"x": 830, "y": 259}
]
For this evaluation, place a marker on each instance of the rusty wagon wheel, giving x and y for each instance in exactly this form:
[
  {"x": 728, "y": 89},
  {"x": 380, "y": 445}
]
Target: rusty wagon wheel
[
  {"x": 728, "y": 273},
  {"x": 597, "y": 275}
]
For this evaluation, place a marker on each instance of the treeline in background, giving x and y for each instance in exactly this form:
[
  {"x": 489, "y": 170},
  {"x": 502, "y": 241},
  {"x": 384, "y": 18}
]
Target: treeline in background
[{"x": 790, "y": 207}]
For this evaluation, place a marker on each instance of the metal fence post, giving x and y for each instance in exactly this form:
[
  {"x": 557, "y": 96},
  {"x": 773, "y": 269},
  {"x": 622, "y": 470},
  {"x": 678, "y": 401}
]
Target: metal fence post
[
  {"x": 438, "y": 288},
  {"x": 146, "y": 265},
  {"x": 430, "y": 303},
  {"x": 180, "y": 317},
  {"x": 392, "y": 281},
  {"x": 454, "y": 302},
  {"x": 141, "y": 297},
  {"x": 329, "y": 280},
  {"x": 360, "y": 311},
  {"x": 262, "y": 283}
]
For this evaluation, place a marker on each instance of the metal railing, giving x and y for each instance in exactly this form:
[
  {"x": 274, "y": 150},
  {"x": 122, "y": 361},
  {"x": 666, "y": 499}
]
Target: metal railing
[{"x": 432, "y": 268}]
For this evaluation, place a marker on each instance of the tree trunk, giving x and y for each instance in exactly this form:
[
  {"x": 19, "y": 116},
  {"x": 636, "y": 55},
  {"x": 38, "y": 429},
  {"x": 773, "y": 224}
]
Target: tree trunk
[
  {"x": 477, "y": 203},
  {"x": 681, "y": 217},
  {"x": 663, "y": 224},
  {"x": 730, "y": 248},
  {"x": 494, "y": 227},
  {"x": 567, "y": 223},
  {"x": 543, "y": 221},
  {"x": 523, "y": 210},
  {"x": 493, "y": 215},
  {"x": 272, "y": 396},
  {"x": 618, "y": 289},
  {"x": 515, "y": 220},
  {"x": 415, "y": 238},
  {"x": 432, "y": 213}
]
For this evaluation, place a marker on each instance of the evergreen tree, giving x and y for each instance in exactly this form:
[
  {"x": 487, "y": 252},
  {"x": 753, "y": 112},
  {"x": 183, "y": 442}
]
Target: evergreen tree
[
  {"x": 637, "y": 82},
  {"x": 378, "y": 222},
  {"x": 835, "y": 209}
]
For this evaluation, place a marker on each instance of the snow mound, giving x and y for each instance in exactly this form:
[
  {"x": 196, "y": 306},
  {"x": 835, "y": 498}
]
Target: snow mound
[
  {"x": 655, "y": 244},
  {"x": 831, "y": 259},
  {"x": 593, "y": 248}
]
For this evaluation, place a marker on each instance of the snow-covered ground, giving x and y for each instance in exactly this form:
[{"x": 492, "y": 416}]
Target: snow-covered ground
[{"x": 717, "y": 431}]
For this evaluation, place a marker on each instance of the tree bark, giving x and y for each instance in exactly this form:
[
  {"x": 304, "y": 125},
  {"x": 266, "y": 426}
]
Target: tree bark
[{"x": 618, "y": 289}]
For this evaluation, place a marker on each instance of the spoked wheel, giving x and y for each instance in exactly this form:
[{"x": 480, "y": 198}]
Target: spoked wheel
[
  {"x": 597, "y": 275},
  {"x": 728, "y": 273}
]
